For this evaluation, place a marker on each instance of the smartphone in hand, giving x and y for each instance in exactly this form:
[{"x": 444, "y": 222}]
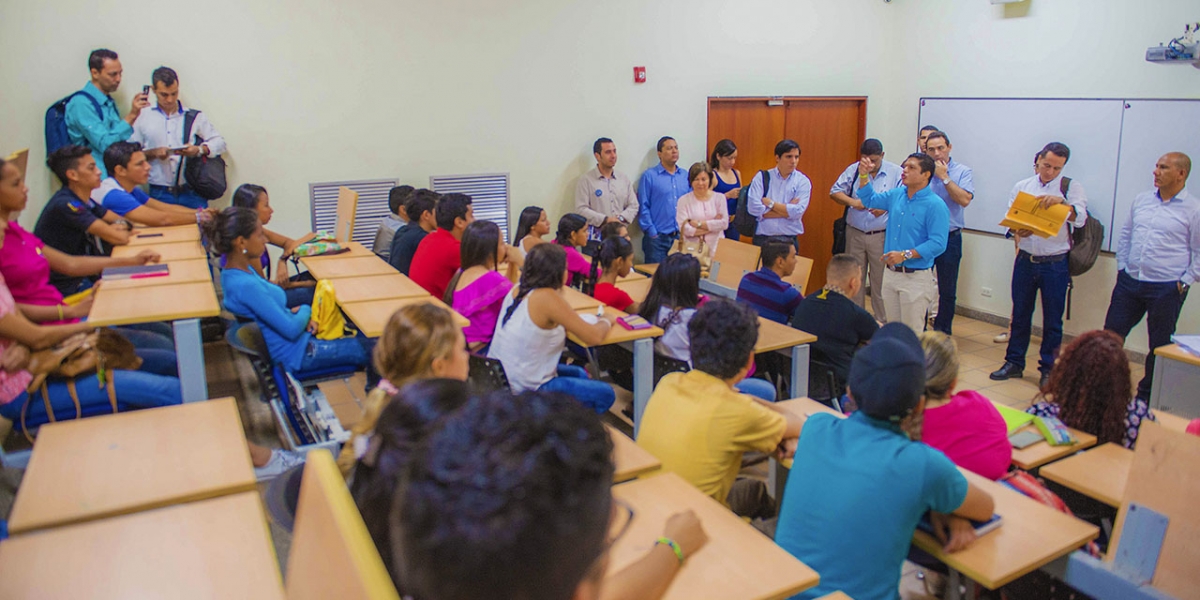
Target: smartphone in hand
[{"x": 146, "y": 91}]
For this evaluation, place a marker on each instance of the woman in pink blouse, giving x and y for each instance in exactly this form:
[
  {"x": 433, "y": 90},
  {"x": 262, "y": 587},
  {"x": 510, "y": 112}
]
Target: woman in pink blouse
[{"x": 701, "y": 213}]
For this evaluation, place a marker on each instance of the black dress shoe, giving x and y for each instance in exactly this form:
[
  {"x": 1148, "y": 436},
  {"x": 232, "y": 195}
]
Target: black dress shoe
[
  {"x": 1008, "y": 371},
  {"x": 1044, "y": 381}
]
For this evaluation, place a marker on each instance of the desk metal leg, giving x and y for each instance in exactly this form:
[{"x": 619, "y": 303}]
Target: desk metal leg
[
  {"x": 1156, "y": 386},
  {"x": 643, "y": 378},
  {"x": 777, "y": 476},
  {"x": 800, "y": 371},
  {"x": 189, "y": 351}
]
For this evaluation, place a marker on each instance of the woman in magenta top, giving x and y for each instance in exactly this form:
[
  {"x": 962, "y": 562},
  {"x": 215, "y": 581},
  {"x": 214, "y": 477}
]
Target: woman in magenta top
[
  {"x": 573, "y": 234},
  {"x": 477, "y": 289},
  {"x": 701, "y": 213},
  {"x": 614, "y": 258},
  {"x": 965, "y": 426}
]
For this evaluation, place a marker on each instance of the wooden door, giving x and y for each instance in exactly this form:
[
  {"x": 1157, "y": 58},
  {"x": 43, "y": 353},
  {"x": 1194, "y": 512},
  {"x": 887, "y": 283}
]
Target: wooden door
[{"x": 753, "y": 125}]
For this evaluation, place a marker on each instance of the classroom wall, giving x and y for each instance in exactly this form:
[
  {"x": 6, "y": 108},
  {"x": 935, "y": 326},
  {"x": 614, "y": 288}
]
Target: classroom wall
[{"x": 309, "y": 91}]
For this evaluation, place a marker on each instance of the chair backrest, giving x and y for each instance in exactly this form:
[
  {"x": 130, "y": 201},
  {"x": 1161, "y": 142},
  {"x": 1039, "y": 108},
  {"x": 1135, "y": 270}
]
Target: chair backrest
[
  {"x": 233, "y": 337},
  {"x": 735, "y": 259},
  {"x": 347, "y": 208},
  {"x": 332, "y": 553},
  {"x": 800, "y": 276},
  {"x": 486, "y": 374},
  {"x": 250, "y": 336}
]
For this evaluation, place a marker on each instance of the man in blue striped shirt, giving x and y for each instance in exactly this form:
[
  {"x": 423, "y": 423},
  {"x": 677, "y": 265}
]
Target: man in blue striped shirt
[
  {"x": 765, "y": 290},
  {"x": 99, "y": 131},
  {"x": 1158, "y": 259}
]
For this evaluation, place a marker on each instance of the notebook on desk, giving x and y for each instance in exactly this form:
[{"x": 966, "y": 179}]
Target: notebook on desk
[
  {"x": 981, "y": 527},
  {"x": 1013, "y": 418},
  {"x": 136, "y": 272}
]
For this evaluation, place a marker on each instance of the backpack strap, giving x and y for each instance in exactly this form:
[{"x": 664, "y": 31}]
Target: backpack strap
[
  {"x": 74, "y": 398},
  {"x": 95, "y": 105},
  {"x": 189, "y": 119},
  {"x": 1064, "y": 184}
]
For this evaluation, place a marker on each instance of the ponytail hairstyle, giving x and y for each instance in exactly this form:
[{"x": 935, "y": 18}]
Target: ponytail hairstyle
[
  {"x": 941, "y": 364},
  {"x": 723, "y": 148},
  {"x": 478, "y": 249},
  {"x": 544, "y": 268},
  {"x": 568, "y": 225},
  {"x": 229, "y": 224},
  {"x": 247, "y": 195},
  {"x": 676, "y": 285},
  {"x": 611, "y": 250},
  {"x": 530, "y": 215}
]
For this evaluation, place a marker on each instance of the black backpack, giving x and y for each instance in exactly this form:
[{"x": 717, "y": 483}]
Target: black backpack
[
  {"x": 1085, "y": 241},
  {"x": 205, "y": 174},
  {"x": 56, "y": 121},
  {"x": 745, "y": 222}
]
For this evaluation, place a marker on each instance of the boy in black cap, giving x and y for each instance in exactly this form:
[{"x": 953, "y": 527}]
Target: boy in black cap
[{"x": 859, "y": 485}]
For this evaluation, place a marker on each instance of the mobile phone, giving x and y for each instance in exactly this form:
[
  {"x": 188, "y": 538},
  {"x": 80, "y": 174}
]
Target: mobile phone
[{"x": 146, "y": 90}]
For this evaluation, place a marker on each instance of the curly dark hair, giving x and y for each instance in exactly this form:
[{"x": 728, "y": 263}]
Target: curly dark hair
[
  {"x": 509, "y": 498},
  {"x": 722, "y": 335},
  {"x": 1090, "y": 384}
]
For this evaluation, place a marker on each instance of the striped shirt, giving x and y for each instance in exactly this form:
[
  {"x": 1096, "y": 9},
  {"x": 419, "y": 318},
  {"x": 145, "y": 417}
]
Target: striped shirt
[{"x": 769, "y": 295}]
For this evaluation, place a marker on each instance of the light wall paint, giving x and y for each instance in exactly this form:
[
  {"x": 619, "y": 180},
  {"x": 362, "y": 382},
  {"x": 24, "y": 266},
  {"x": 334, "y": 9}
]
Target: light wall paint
[{"x": 308, "y": 91}]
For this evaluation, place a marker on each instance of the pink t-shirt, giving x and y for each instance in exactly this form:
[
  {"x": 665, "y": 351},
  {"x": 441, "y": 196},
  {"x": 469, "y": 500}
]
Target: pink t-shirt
[
  {"x": 971, "y": 432},
  {"x": 26, "y": 270},
  {"x": 11, "y": 384}
]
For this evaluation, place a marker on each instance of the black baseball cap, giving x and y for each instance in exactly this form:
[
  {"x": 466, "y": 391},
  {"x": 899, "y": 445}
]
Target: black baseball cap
[{"x": 887, "y": 377}]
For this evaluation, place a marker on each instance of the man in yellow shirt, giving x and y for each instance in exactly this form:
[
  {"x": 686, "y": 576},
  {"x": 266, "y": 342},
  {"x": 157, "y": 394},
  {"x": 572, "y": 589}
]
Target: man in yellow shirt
[{"x": 699, "y": 426}]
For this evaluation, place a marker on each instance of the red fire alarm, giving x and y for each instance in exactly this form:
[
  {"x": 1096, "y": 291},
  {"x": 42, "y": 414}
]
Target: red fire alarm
[{"x": 639, "y": 74}]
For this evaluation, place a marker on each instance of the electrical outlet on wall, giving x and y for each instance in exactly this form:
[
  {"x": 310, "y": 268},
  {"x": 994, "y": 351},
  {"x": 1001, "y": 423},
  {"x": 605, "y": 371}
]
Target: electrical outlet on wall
[{"x": 986, "y": 292}]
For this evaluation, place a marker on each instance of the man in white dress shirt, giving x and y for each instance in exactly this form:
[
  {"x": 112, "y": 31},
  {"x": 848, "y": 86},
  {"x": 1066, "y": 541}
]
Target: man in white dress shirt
[
  {"x": 1041, "y": 264},
  {"x": 159, "y": 129}
]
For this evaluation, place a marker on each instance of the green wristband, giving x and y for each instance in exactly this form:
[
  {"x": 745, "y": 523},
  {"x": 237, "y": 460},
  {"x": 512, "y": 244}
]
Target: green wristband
[{"x": 674, "y": 547}]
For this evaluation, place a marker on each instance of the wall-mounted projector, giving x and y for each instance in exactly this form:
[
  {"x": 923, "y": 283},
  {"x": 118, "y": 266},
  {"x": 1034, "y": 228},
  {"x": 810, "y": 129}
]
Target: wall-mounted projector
[{"x": 1181, "y": 50}]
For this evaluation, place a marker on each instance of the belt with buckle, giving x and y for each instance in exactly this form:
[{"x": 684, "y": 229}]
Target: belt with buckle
[
  {"x": 899, "y": 269},
  {"x": 1044, "y": 259},
  {"x": 870, "y": 232}
]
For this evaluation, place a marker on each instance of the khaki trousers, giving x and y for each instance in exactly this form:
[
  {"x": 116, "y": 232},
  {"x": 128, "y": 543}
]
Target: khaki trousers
[
  {"x": 907, "y": 296},
  {"x": 868, "y": 249}
]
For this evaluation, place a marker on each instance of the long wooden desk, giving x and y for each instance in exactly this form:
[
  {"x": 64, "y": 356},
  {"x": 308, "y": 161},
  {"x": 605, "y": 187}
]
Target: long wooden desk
[
  {"x": 1176, "y": 379},
  {"x": 193, "y": 270},
  {"x": 347, "y": 266},
  {"x": 376, "y": 287},
  {"x": 1099, "y": 473},
  {"x": 167, "y": 251},
  {"x": 578, "y": 300},
  {"x": 738, "y": 561},
  {"x": 647, "y": 269},
  {"x": 1040, "y": 453},
  {"x": 99, "y": 467},
  {"x": 216, "y": 548},
  {"x": 637, "y": 289},
  {"x": 183, "y": 304},
  {"x": 141, "y": 236},
  {"x": 1170, "y": 421},
  {"x": 353, "y": 250},
  {"x": 372, "y": 316},
  {"x": 777, "y": 336},
  {"x": 643, "y": 357},
  {"x": 631, "y": 460}
]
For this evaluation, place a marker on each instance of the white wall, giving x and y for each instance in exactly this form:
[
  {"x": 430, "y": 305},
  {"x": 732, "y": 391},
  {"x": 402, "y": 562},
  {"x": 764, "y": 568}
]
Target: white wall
[{"x": 308, "y": 91}]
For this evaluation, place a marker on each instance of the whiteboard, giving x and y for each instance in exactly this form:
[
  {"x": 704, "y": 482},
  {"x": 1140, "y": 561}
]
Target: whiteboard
[
  {"x": 998, "y": 139},
  {"x": 1153, "y": 128}
]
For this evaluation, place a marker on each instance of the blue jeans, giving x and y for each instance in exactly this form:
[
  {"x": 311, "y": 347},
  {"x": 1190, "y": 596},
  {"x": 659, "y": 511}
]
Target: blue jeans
[
  {"x": 1028, "y": 278},
  {"x": 759, "y": 388},
  {"x": 947, "y": 281},
  {"x": 656, "y": 248},
  {"x": 573, "y": 381},
  {"x": 300, "y": 296},
  {"x": 157, "y": 352},
  {"x": 134, "y": 389},
  {"x": 186, "y": 197},
  {"x": 330, "y": 354},
  {"x": 1160, "y": 303}
]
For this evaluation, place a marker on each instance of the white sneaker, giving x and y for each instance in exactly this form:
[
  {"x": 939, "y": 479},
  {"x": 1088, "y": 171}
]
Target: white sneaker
[
  {"x": 281, "y": 460},
  {"x": 1001, "y": 338}
]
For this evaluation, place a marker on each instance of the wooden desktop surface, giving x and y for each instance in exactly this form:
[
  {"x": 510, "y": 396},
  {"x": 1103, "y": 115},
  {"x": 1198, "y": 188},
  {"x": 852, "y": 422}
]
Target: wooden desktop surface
[
  {"x": 354, "y": 250},
  {"x": 1174, "y": 352},
  {"x": 178, "y": 271},
  {"x": 216, "y": 548},
  {"x": 805, "y": 407},
  {"x": 577, "y": 299},
  {"x": 167, "y": 252},
  {"x": 142, "y": 236},
  {"x": 632, "y": 276},
  {"x": 738, "y": 561},
  {"x": 631, "y": 460},
  {"x": 836, "y": 596},
  {"x": 1040, "y": 453},
  {"x": 777, "y": 336},
  {"x": 647, "y": 269},
  {"x": 1098, "y": 473},
  {"x": 617, "y": 334},
  {"x": 109, "y": 465},
  {"x": 1172, "y": 422},
  {"x": 150, "y": 304},
  {"x": 376, "y": 287},
  {"x": 637, "y": 289},
  {"x": 372, "y": 316},
  {"x": 349, "y": 266}
]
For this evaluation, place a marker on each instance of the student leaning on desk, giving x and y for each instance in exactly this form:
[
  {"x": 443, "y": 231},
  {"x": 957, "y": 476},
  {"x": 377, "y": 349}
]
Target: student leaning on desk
[
  {"x": 300, "y": 288},
  {"x": 859, "y": 485}
]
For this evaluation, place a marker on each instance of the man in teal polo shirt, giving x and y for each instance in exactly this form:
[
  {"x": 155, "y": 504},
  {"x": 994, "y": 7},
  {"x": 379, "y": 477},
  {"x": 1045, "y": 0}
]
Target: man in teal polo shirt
[{"x": 99, "y": 131}]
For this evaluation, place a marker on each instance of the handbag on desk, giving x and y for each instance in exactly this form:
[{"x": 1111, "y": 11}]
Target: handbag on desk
[{"x": 697, "y": 249}]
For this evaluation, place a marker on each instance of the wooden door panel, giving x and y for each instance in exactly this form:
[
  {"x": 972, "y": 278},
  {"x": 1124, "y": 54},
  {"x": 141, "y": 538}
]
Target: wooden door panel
[{"x": 753, "y": 126}]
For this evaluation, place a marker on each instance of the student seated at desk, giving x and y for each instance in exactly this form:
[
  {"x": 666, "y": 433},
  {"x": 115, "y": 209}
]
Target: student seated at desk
[
  {"x": 437, "y": 256},
  {"x": 419, "y": 210},
  {"x": 765, "y": 290},
  {"x": 841, "y": 326},
  {"x": 121, "y": 193},
  {"x": 1089, "y": 390},
  {"x": 614, "y": 228},
  {"x": 511, "y": 498},
  {"x": 699, "y": 424},
  {"x": 300, "y": 288},
  {"x": 965, "y": 426},
  {"x": 532, "y": 333},
  {"x": 858, "y": 485},
  {"x": 614, "y": 258},
  {"x": 477, "y": 289},
  {"x": 573, "y": 235},
  {"x": 532, "y": 226},
  {"x": 238, "y": 234},
  {"x": 393, "y": 221}
]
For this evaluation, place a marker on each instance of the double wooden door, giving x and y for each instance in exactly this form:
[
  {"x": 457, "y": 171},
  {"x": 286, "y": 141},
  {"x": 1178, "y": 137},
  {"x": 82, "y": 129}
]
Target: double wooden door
[{"x": 829, "y": 132}]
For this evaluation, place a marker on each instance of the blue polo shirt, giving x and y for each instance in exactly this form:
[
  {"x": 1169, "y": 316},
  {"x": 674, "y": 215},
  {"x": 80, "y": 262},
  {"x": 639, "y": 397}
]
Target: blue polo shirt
[
  {"x": 919, "y": 223},
  {"x": 658, "y": 193},
  {"x": 857, "y": 489},
  {"x": 963, "y": 177},
  {"x": 112, "y": 196}
]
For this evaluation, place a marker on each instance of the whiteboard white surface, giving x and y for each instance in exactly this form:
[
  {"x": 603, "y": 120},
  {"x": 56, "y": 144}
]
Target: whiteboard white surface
[
  {"x": 1153, "y": 128},
  {"x": 998, "y": 139}
]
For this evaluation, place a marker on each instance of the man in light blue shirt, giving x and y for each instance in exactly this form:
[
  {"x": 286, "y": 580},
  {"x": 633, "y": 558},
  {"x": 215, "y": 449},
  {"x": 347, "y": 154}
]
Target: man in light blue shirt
[
  {"x": 953, "y": 183},
  {"x": 865, "y": 227},
  {"x": 918, "y": 222},
  {"x": 658, "y": 193},
  {"x": 780, "y": 207},
  {"x": 99, "y": 131},
  {"x": 1158, "y": 259}
]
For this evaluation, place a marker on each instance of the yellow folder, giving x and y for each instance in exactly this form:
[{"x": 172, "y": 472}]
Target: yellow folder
[{"x": 1027, "y": 213}]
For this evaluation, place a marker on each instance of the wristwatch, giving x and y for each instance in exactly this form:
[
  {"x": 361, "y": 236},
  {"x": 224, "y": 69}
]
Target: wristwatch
[
  {"x": 946, "y": 181},
  {"x": 908, "y": 254}
]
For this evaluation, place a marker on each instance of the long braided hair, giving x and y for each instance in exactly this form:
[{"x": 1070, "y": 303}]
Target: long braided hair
[
  {"x": 611, "y": 250},
  {"x": 544, "y": 268}
]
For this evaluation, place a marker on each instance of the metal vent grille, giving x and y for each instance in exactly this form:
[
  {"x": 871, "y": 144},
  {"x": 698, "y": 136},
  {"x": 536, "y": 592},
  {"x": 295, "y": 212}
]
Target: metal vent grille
[
  {"x": 488, "y": 192},
  {"x": 372, "y": 206}
]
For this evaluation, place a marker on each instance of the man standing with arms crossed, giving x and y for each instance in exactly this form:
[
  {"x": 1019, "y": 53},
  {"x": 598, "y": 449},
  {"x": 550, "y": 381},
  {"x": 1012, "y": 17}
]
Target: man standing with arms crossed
[
  {"x": 1041, "y": 264},
  {"x": 779, "y": 206},
  {"x": 916, "y": 235},
  {"x": 953, "y": 183},
  {"x": 658, "y": 194},
  {"x": 1158, "y": 259},
  {"x": 605, "y": 195},
  {"x": 865, "y": 227}
]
